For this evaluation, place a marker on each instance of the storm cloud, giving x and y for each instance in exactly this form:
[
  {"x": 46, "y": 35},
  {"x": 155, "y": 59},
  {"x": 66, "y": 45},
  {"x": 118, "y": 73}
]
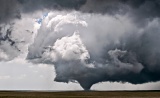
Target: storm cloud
[{"x": 87, "y": 41}]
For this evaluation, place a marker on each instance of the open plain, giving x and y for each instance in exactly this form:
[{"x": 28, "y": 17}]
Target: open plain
[{"x": 80, "y": 94}]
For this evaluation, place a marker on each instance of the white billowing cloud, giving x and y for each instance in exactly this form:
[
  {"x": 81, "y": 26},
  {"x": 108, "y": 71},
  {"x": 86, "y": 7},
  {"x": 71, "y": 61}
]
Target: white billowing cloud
[
  {"x": 53, "y": 27},
  {"x": 56, "y": 23},
  {"x": 68, "y": 48},
  {"x": 60, "y": 24}
]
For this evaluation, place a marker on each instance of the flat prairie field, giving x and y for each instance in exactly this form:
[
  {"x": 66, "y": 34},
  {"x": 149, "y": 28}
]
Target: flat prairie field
[{"x": 80, "y": 94}]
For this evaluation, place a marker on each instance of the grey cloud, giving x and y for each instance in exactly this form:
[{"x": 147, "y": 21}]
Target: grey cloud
[
  {"x": 12, "y": 9},
  {"x": 31, "y": 5},
  {"x": 138, "y": 9},
  {"x": 9, "y": 10}
]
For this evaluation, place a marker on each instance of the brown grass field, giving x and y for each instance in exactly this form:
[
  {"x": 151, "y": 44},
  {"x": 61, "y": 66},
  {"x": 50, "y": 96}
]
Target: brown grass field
[{"x": 80, "y": 94}]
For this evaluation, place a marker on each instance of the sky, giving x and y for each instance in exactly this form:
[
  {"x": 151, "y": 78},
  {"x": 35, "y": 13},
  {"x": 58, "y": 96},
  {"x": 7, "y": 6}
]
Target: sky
[{"x": 64, "y": 45}]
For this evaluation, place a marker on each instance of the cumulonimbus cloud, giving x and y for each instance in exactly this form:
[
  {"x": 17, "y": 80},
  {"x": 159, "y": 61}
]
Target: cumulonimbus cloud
[
  {"x": 90, "y": 45},
  {"x": 97, "y": 52}
]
